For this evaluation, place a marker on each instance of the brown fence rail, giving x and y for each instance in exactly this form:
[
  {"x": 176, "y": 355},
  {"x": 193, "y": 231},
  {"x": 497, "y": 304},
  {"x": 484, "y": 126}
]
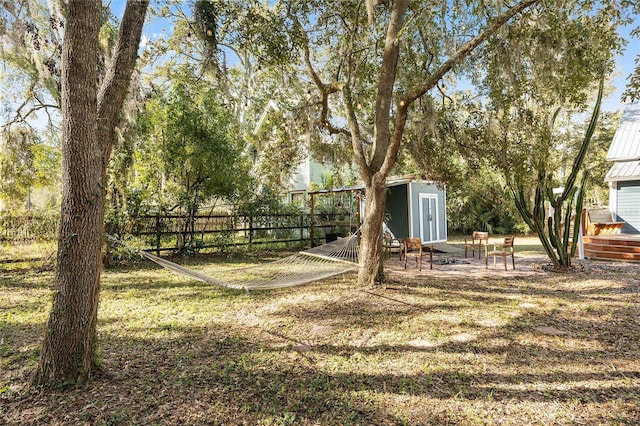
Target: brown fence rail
[
  {"x": 175, "y": 232},
  {"x": 19, "y": 229},
  {"x": 162, "y": 232}
]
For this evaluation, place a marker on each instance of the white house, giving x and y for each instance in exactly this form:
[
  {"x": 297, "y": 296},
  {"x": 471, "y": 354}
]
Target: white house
[{"x": 308, "y": 171}]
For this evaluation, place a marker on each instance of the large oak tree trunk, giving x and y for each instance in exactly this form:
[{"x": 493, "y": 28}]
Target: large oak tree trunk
[
  {"x": 371, "y": 267},
  {"x": 375, "y": 168},
  {"x": 68, "y": 353},
  {"x": 68, "y": 348}
]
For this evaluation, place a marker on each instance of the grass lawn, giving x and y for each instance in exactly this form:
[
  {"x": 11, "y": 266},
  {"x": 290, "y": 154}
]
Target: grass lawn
[{"x": 508, "y": 349}]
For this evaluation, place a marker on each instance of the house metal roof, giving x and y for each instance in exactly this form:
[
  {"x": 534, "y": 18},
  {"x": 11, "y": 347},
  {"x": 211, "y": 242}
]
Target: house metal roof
[
  {"x": 623, "y": 170},
  {"x": 626, "y": 141}
]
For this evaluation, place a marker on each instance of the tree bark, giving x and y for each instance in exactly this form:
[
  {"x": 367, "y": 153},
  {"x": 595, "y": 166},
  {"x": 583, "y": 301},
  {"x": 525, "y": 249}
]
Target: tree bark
[
  {"x": 371, "y": 268},
  {"x": 374, "y": 170},
  {"x": 68, "y": 353},
  {"x": 68, "y": 347}
]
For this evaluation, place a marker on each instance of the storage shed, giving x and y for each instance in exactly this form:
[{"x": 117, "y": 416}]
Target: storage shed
[
  {"x": 624, "y": 176},
  {"x": 416, "y": 209}
]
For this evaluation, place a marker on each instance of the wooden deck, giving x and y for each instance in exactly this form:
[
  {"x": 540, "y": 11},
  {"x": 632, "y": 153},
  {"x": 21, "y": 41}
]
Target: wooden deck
[{"x": 624, "y": 247}]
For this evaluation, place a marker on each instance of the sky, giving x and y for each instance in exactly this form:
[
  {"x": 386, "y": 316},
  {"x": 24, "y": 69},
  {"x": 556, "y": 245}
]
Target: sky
[{"x": 625, "y": 62}]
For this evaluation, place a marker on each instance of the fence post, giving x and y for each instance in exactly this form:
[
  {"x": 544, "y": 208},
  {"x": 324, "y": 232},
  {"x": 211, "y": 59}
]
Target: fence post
[
  {"x": 301, "y": 230},
  {"x": 358, "y": 203},
  {"x": 158, "y": 234},
  {"x": 312, "y": 218},
  {"x": 250, "y": 217}
]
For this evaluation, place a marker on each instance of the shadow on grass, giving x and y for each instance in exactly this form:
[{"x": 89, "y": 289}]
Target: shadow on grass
[
  {"x": 32, "y": 280},
  {"x": 233, "y": 376},
  {"x": 571, "y": 286},
  {"x": 223, "y": 371}
]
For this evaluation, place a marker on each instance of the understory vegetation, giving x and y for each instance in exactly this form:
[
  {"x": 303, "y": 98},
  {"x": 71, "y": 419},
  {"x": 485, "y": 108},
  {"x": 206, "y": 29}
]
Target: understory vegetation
[{"x": 523, "y": 347}]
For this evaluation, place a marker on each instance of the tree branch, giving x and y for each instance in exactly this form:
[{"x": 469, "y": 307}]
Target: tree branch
[
  {"x": 432, "y": 80},
  {"x": 382, "y": 151},
  {"x": 428, "y": 84},
  {"x": 114, "y": 87},
  {"x": 325, "y": 90}
]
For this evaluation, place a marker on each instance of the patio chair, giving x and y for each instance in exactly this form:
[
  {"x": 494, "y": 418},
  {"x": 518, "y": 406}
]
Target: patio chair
[
  {"x": 478, "y": 240},
  {"x": 391, "y": 245},
  {"x": 413, "y": 248},
  {"x": 504, "y": 250}
]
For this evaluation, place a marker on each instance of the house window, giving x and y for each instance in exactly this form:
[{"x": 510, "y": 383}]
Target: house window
[
  {"x": 327, "y": 158},
  {"x": 297, "y": 198}
]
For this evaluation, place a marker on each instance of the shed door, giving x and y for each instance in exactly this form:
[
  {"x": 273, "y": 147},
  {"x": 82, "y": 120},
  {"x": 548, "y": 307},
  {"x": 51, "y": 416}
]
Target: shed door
[
  {"x": 429, "y": 217},
  {"x": 629, "y": 206}
]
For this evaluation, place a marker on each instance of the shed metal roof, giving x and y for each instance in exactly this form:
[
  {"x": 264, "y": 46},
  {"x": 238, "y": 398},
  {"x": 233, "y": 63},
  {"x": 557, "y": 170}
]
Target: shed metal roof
[
  {"x": 392, "y": 181},
  {"x": 623, "y": 170},
  {"x": 626, "y": 141}
]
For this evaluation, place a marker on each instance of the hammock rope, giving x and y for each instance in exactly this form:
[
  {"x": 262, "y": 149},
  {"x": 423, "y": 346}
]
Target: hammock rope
[{"x": 317, "y": 263}]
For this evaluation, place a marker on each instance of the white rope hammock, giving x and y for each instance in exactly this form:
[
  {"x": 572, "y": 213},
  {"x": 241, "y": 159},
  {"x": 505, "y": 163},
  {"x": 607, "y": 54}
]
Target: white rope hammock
[{"x": 317, "y": 263}]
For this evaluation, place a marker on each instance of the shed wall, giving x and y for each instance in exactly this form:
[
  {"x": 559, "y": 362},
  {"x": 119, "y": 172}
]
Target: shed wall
[
  {"x": 397, "y": 208},
  {"x": 423, "y": 204}
]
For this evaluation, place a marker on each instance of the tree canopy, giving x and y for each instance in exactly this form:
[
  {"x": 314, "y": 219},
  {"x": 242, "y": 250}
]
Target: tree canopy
[
  {"x": 189, "y": 147},
  {"x": 632, "y": 91},
  {"x": 26, "y": 162}
]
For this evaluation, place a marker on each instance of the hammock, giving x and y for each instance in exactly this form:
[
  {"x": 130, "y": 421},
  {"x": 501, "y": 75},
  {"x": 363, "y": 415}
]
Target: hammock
[{"x": 317, "y": 263}]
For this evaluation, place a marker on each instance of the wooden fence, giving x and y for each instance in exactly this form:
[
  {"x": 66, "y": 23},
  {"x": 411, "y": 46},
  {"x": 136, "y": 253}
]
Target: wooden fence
[
  {"x": 162, "y": 232},
  {"x": 20, "y": 229},
  {"x": 176, "y": 232}
]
